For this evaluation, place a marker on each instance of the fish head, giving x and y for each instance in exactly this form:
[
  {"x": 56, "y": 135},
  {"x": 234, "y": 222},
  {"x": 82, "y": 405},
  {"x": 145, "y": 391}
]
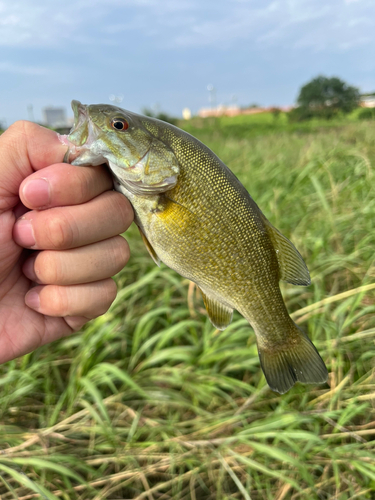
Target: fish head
[{"x": 127, "y": 142}]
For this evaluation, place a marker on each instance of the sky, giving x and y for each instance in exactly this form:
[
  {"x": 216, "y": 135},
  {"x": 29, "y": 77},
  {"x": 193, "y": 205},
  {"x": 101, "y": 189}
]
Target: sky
[{"x": 162, "y": 54}]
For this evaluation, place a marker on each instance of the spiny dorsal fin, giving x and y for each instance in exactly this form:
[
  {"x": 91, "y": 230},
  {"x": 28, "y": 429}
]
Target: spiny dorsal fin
[
  {"x": 299, "y": 361},
  {"x": 150, "y": 249},
  {"x": 292, "y": 267},
  {"x": 220, "y": 315}
]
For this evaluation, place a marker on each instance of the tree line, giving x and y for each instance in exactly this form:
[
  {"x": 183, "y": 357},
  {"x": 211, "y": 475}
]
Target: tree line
[{"x": 326, "y": 98}]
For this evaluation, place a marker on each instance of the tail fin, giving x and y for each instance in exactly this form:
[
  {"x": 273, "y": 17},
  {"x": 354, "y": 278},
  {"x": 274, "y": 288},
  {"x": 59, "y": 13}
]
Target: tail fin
[{"x": 299, "y": 361}]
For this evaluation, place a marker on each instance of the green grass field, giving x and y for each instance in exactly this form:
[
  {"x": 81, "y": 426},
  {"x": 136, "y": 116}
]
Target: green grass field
[{"x": 151, "y": 402}]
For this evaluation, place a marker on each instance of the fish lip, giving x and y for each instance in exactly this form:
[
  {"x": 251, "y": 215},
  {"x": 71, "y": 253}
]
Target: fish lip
[
  {"x": 81, "y": 116},
  {"x": 79, "y": 109},
  {"x": 73, "y": 140}
]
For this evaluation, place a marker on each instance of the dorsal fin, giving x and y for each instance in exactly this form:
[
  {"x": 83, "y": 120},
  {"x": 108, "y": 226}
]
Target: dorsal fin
[
  {"x": 292, "y": 266},
  {"x": 219, "y": 314},
  {"x": 150, "y": 248}
]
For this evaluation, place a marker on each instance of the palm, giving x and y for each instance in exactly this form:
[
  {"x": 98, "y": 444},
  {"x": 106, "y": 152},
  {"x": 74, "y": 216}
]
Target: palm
[{"x": 21, "y": 328}]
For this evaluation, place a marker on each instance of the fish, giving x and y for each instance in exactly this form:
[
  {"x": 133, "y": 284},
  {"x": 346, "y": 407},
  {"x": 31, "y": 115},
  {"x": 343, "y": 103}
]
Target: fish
[{"x": 196, "y": 217}]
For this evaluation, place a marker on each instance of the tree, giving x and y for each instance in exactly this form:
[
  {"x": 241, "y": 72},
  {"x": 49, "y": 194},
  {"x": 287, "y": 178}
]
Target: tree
[
  {"x": 367, "y": 114},
  {"x": 326, "y": 97}
]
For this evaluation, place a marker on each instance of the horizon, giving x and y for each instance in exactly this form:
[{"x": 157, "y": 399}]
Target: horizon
[{"x": 164, "y": 55}]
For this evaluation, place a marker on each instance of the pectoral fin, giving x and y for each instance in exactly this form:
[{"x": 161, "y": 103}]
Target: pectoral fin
[
  {"x": 291, "y": 265},
  {"x": 220, "y": 315},
  {"x": 150, "y": 249}
]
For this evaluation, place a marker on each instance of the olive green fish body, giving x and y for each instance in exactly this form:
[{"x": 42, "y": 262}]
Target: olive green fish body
[
  {"x": 197, "y": 218},
  {"x": 209, "y": 230}
]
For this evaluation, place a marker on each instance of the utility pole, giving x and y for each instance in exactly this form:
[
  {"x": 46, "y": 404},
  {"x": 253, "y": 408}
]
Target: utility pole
[
  {"x": 212, "y": 95},
  {"x": 30, "y": 112}
]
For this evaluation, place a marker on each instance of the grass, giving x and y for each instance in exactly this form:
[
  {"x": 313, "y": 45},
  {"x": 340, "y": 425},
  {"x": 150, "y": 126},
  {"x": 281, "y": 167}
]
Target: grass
[
  {"x": 247, "y": 126},
  {"x": 151, "y": 402}
]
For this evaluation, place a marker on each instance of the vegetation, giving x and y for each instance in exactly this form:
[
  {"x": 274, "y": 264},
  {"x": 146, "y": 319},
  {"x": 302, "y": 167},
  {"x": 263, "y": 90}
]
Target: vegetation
[
  {"x": 325, "y": 98},
  {"x": 252, "y": 126},
  {"x": 367, "y": 114},
  {"x": 151, "y": 402}
]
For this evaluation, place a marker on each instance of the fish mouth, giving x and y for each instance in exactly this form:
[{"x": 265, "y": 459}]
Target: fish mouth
[
  {"x": 80, "y": 117},
  {"x": 82, "y": 135}
]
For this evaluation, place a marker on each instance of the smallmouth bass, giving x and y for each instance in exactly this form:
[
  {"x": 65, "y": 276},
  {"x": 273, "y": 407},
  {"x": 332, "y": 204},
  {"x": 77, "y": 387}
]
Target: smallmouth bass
[{"x": 196, "y": 217}]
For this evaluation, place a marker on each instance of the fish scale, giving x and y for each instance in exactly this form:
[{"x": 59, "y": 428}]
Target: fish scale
[{"x": 196, "y": 217}]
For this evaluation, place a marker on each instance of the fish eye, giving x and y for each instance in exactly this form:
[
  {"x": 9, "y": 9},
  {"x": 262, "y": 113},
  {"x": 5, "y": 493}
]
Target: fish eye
[{"x": 119, "y": 124}]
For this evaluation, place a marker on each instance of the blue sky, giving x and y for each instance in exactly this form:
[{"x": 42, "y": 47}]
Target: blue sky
[{"x": 165, "y": 52}]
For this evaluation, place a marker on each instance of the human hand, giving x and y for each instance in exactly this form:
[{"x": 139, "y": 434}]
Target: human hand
[{"x": 71, "y": 221}]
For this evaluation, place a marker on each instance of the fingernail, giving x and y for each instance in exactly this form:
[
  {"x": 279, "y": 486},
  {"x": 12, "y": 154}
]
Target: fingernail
[
  {"x": 23, "y": 233},
  {"x": 37, "y": 192},
  {"x": 29, "y": 268},
  {"x": 32, "y": 299}
]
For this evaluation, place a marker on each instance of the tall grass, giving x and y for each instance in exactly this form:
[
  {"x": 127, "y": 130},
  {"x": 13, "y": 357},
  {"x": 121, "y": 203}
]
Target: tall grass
[{"x": 151, "y": 402}]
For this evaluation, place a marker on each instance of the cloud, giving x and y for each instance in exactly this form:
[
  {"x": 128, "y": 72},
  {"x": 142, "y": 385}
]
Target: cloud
[
  {"x": 43, "y": 23},
  {"x": 308, "y": 24},
  {"x": 86, "y": 24}
]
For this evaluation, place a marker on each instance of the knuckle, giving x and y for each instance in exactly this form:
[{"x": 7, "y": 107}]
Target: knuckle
[
  {"x": 14, "y": 139},
  {"x": 14, "y": 128},
  {"x": 19, "y": 126},
  {"x": 59, "y": 232}
]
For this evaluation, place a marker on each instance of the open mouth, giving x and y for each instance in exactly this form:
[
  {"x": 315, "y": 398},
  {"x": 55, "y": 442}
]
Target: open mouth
[
  {"x": 80, "y": 132},
  {"x": 82, "y": 136}
]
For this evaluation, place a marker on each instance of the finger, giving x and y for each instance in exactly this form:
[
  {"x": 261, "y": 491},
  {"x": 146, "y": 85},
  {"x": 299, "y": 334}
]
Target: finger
[
  {"x": 80, "y": 265},
  {"x": 62, "y": 184},
  {"x": 107, "y": 215},
  {"x": 25, "y": 147},
  {"x": 76, "y": 322},
  {"x": 89, "y": 300}
]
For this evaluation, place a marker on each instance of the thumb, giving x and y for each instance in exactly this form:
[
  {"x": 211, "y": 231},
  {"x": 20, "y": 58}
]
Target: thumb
[{"x": 25, "y": 147}]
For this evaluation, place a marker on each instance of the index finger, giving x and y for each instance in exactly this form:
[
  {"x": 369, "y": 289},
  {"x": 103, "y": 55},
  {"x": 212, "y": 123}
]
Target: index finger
[{"x": 25, "y": 147}]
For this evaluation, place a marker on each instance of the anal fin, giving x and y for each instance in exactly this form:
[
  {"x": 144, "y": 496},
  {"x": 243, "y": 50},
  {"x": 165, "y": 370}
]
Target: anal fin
[
  {"x": 219, "y": 314},
  {"x": 150, "y": 248}
]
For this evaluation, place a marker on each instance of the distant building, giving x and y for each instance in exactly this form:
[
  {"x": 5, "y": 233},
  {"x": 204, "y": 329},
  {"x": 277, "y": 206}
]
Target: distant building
[
  {"x": 368, "y": 100},
  {"x": 222, "y": 110},
  {"x": 54, "y": 117},
  {"x": 186, "y": 113}
]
